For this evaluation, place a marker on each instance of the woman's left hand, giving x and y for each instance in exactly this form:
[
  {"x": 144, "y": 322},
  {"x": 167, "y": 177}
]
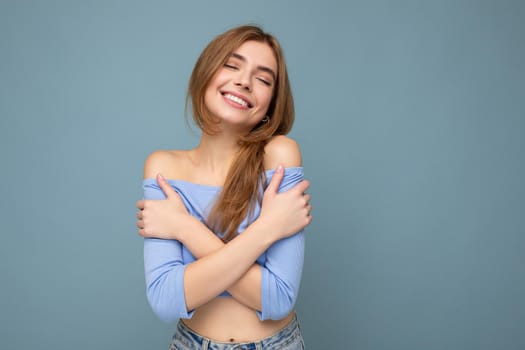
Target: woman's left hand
[{"x": 162, "y": 218}]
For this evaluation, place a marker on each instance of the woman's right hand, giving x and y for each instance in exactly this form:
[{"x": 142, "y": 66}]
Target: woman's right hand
[{"x": 288, "y": 212}]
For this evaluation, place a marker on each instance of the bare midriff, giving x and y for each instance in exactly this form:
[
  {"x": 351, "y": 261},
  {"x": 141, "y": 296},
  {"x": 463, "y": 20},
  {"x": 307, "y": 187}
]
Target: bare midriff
[{"x": 226, "y": 320}]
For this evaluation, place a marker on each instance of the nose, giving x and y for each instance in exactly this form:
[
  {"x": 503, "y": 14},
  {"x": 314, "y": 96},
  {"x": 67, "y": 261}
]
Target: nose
[{"x": 242, "y": 79}]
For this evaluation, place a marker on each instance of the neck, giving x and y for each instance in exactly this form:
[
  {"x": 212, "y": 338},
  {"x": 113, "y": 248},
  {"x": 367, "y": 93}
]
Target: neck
[{"x": 215, "y": 153}]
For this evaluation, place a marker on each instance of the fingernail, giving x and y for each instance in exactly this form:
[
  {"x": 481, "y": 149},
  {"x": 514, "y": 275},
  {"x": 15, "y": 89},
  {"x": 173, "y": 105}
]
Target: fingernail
[
  {"x": 279, "y": 168},
  {"x": 160, "y": 176}
]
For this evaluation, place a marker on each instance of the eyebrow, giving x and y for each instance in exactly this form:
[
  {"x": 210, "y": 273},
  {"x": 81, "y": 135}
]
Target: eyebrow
[{"x": 261, "y": 68}]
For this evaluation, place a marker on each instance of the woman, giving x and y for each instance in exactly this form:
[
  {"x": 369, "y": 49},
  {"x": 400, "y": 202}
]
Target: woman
[{"x": 224, "y": 248}]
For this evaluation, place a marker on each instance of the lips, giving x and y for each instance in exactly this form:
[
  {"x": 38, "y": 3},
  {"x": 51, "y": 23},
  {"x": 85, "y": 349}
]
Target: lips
[{"x": 237, "y": 99}]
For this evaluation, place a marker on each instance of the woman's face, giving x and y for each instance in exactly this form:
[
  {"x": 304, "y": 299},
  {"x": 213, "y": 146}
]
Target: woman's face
[{"x": 241, "y": 91}]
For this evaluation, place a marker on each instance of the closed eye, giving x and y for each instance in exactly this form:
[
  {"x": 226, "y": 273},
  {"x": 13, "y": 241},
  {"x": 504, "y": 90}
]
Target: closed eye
[
  {"x": 231, "y": 66},
  {"x": 264, "y": 81}
]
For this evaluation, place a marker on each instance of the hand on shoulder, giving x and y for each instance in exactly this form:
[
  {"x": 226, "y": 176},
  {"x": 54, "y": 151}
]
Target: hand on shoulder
[{"x": 282, "y": 150}]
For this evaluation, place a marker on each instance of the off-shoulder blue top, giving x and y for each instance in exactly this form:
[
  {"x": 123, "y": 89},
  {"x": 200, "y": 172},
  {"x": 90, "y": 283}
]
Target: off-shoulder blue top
[{"x": 166, "y": 260}]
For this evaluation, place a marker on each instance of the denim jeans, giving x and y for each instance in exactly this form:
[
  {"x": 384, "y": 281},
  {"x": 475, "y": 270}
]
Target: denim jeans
[{"x": 288, "y": 338}]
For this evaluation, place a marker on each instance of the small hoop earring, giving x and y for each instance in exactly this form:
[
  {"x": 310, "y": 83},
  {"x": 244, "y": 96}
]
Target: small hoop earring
[{"x": 266, "y": 119}]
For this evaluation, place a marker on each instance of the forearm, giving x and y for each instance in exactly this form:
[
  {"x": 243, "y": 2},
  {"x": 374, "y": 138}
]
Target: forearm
[
  {"x": 207, "y": 277},
  {"x": 201, "y": 241}
]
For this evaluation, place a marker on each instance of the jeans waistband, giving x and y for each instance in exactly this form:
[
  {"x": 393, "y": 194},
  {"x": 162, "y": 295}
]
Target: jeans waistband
[{"x": 287, "y": 334}]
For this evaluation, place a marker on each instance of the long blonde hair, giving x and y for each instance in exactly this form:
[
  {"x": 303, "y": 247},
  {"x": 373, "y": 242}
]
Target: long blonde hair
[{"x": 241, "y": 188}]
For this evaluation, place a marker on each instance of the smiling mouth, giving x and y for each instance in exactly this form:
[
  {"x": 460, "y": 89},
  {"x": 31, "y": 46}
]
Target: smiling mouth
[{"x": 237, "y": 100}]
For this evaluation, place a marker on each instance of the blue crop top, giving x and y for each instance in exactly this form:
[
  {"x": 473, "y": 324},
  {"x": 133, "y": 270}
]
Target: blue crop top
[{"x": 166, "y": 260}]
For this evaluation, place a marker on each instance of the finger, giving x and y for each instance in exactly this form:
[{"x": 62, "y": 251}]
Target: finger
[
  {"x": 302, "y": 186},
  {"x": 165, "y": 186},
  {"x": 140, "y": 204},
  {"x": 307, "y": 198},
  {"x": 275, "y": 182},
  {"x": 142, "y": 229},
  {"x": 308, "y": 210}
]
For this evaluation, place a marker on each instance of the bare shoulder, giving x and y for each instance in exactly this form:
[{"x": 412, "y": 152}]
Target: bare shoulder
[
  {"x": 169, "y": 163},
  {"x": 282, "y": 150}
]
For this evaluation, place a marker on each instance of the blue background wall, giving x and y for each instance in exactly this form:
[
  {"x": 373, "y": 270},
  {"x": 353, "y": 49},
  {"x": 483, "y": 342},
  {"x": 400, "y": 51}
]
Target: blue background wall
[{"x": 411, "y": 118}]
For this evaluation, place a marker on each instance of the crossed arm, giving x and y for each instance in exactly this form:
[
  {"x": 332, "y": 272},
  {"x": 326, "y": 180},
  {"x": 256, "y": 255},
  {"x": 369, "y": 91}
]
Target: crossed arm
[
  {"x": 231, "y": 266},
  {"x": 203, "y": 242}
]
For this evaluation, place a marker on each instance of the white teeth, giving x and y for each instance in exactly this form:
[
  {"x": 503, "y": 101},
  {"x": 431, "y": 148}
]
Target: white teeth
[{"x": 236, "y": 99}]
